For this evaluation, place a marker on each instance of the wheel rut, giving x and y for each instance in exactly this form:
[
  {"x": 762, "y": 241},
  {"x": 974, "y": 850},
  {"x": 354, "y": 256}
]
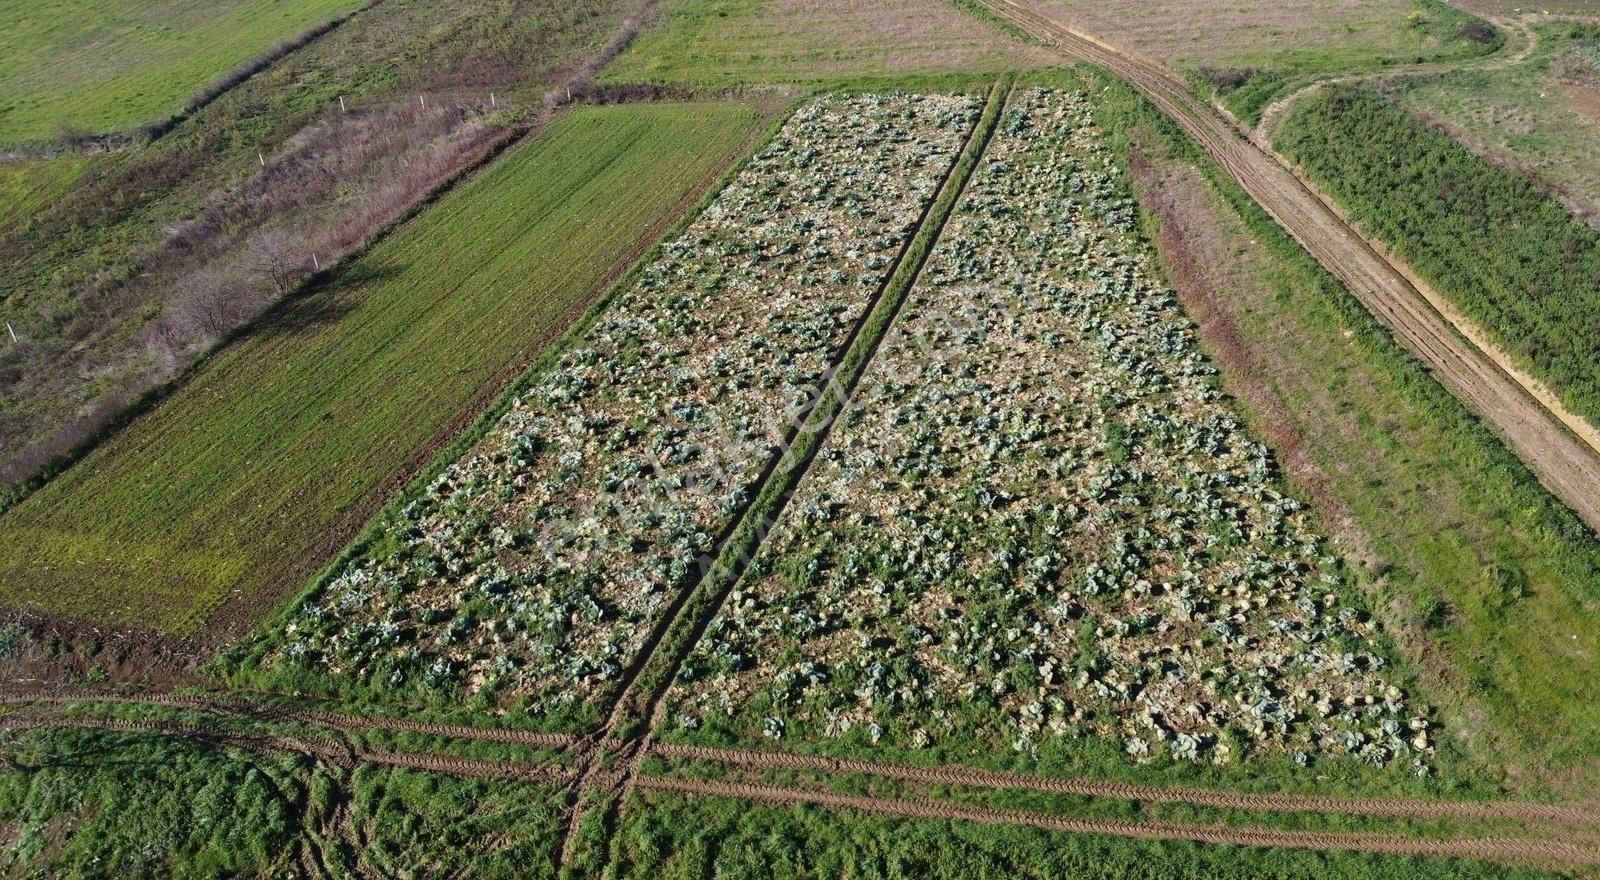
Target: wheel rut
[{"x": 1502, "y": 849}]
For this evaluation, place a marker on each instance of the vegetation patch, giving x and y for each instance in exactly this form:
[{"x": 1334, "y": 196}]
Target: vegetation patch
[
  {"x": 1506, "y": 253},
  {"x": 1039, "y": 519},
  {"x": 273, "y": 453},
  {"x": 74, "y": 66},
  {"x": 669, "y": 836},
  {"x": 534, "y": 568}
]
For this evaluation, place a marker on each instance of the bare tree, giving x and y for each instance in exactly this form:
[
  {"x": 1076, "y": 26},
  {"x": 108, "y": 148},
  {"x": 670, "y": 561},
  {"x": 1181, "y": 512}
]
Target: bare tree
[{"x": 280, "y": 257}]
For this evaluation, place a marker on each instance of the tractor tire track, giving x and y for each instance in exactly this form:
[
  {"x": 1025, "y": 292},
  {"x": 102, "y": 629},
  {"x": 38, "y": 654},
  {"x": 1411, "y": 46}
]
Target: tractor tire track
[
  {"x": 246, "y": 708},
  {"x": 1579, "y": 848},
  {"x": 1272, "y": 117},
  {"x": 1501, "y": 849},
  {"x": 326, "y": 748},
  {"x": 1385, "y": 808},
  {"x": 1558, "y": 446}
]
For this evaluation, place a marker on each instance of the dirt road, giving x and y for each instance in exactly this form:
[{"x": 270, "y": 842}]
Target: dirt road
[{"x": 1560, "y": 448}]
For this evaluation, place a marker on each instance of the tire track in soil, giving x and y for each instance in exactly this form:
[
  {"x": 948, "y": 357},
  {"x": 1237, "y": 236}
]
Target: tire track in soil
[
  {"x": 323, "y": 747},
  {"x": 1386, "y": 808},
  {"x": 1559, "y": 447},
  {"x": 1501, "y": 849},
  {"x": 1581, "y": 847},
  {"x": 337, "y": 720},
  {"x": 611, "y": 782},
  {"x": 1272, "y": 117}
]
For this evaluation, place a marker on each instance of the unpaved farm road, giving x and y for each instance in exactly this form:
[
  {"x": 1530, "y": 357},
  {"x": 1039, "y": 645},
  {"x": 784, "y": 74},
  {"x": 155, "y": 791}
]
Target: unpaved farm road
[
  {"x": 1558, "y": 834},
  {"x": 1560, "y": 448}
]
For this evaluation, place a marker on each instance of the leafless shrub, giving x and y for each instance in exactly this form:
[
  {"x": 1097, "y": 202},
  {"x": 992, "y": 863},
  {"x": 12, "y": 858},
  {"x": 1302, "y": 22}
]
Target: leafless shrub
[
  {"x": 280, "y": 257},
  {"x": 1227, "y": 77},
  {"x": 1478, "y": 32}
]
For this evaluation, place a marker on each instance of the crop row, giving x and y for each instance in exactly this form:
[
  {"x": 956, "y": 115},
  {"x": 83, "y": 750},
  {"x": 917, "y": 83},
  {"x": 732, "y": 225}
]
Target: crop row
[
  {"x": 532, "y": 569},
  {"x": 1041, "y": 519}
]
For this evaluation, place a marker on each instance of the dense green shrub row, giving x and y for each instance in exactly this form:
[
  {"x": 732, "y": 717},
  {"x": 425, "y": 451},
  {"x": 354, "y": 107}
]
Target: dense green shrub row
[{"x": 1506, "y": 253}]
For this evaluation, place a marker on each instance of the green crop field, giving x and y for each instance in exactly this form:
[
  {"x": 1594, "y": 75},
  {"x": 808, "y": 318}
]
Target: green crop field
[
  {"x": 225, "y": 488},
  {"x": 1538, "y": 117},
  {"x": 100, "y": 67}
]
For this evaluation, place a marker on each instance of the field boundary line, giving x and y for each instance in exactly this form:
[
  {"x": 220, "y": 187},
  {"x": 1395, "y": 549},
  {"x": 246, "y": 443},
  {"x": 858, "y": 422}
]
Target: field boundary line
[
  {"x": 1387, "y": 808},
  {"x": 1536, "y": 851}
]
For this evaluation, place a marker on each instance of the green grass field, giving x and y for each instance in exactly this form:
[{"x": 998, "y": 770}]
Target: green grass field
[
  {"x": 1538, "y": 115},
  {"x": 150, "y": 806},
  {"x": 29, "y": 185},
  {"x": 107, "y": 67},
  {"x": 667, "y": 836},
  {"x": 224, "y": 489}
]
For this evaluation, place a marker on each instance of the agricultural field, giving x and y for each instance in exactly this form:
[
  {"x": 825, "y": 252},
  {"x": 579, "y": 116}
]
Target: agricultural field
[
  {"x": 1505, "y": 252},
  {"x": 1040, "y": 520},
  {"x": 1253, "y": 52},
  {"x": 765, "y": 41},
  {"x": 127, "y": 277},
  {"x": 1478, "y": 573},
  {"x": 1537, "y": 118},
  {"x": 532, "y": 570},
  {"x": 76, "y": 66},
  {"x": 245, "y": 480},
  {"x": 800, "y": 438}
]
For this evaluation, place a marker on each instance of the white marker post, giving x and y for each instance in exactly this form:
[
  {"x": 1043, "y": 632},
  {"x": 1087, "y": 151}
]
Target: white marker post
[
  {"x": 11, "y": 331},
  {"x": 422, "y": 101},
  {"x": 260, "y": 158},
  {"x": 341, "y": 104},
  {"x": 491, "y": 100},
  {"x": 316, "y": 263}
]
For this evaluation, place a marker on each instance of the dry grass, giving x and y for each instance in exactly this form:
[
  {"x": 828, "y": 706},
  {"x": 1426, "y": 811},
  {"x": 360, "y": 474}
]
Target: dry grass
[
  {"x": 724, "y": 41},
  {"x": 1184, "y": 31}
]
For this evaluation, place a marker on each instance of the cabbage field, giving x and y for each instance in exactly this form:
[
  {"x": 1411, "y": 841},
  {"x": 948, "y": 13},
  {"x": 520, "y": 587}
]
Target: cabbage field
[
  {"x": 1042, "y": 519},
  {"x": 1037, "y": 517}
]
